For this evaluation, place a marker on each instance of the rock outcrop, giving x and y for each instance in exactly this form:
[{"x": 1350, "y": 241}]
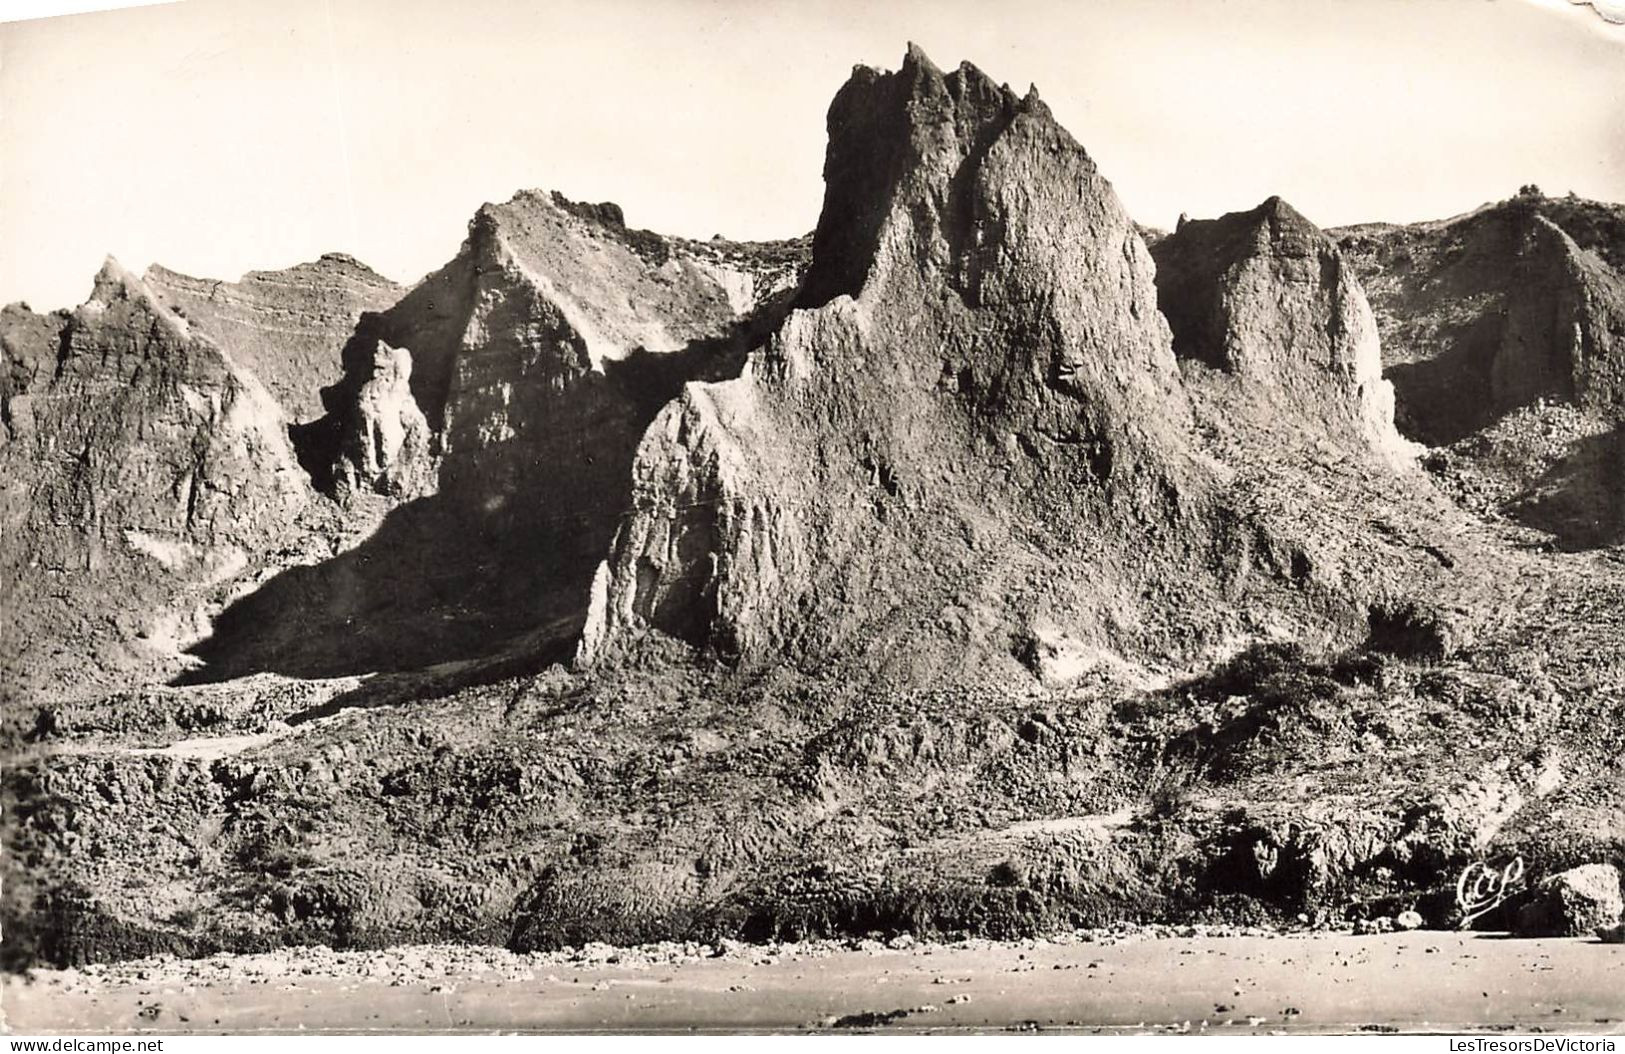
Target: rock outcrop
[
  {"x": 384, "y": 439},
  {"x": 1266, "y": 297},
  {"x": 1564, "y": 336},
  {"x": 285, "y": 327},
  {"x": 973, "y": 425},
  {"x": 138, "y": 458}
]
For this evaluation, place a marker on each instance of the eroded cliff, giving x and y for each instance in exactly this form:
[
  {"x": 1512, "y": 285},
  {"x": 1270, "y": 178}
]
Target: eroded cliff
[
  {"x": 1266, "y": 298},
  {"x": 968, "y": 451},
  {"x": 138, "y": 461},
  {"x": 1503, "y": 332},
  {"x": 281, "y": 326}
]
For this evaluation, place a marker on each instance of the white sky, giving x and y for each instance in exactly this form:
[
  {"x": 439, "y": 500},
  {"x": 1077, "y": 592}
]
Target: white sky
[{"x": 218, "y": 136}]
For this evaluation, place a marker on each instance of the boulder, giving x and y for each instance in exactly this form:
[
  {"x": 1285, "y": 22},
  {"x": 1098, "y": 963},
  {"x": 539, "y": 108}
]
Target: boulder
[{"x": 1573, "y": 903}]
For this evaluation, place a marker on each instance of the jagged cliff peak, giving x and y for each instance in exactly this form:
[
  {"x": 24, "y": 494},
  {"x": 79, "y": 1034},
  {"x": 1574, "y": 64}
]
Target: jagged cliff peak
[
  {"x": 1271, "y": 228},
  {"x": 887, "y": 128},
  {"x": 113, "y": 281},
  {"x": 114, "y": 284},
  {"x": 951, "y": 188},
  {"x": 971, "y": 419}
]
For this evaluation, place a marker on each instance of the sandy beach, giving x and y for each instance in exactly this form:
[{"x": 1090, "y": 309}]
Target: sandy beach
[{"x": 1419, "y": 981}]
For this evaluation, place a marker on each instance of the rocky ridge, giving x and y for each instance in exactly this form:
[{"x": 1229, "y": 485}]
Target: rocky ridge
[
  {"x": 1501, "y": 332},
  {"x": 281, "y": 326},
  {"x": 941, "y": 582}
]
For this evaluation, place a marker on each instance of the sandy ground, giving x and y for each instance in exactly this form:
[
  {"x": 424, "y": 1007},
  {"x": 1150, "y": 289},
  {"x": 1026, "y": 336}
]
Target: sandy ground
[{"x": 1419, "y": 981}]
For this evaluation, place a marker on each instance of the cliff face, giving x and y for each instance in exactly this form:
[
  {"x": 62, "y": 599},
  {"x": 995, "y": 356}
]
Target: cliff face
[
  {"x": 496, "y": 407},
  {"x": 567, "y": 314},
  {"x": 1265, "y": 297},
  {"x": 991, "y": 553},
  {"x": 1503, "y": 332},
  {"x": 545, "y": 290},
  {"x": 1483, "y": 314},
  {"x": 137, "y": 459},
  {"x": 969, "y": 436},
  {"x": 541, "y": 352},
  {"x": 284, "y": 327}
]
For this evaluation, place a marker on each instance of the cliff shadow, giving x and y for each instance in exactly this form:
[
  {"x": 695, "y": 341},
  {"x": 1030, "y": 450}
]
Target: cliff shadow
[
  {"x": 1448, "y": 397},
  {"x": 430, "y": 586},
  {"x": 1580, "y": 500}
]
